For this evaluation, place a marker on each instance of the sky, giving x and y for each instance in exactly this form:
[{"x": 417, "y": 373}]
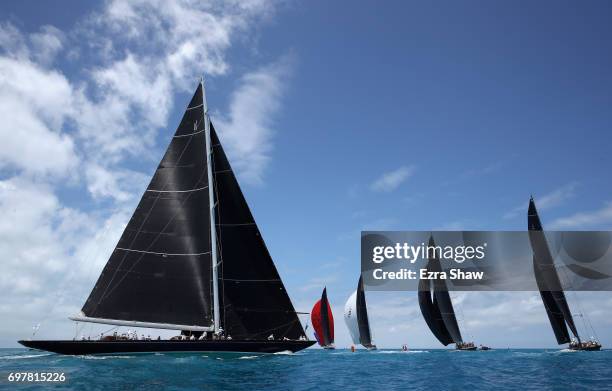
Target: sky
[{"x": 337, "y": 116}]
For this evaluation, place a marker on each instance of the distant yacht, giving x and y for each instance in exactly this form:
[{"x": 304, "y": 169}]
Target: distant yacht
[
  {"x": 438, "y": 310},
  {"x": 356, "y": 318},
  {"x": 191, "y": 259},
  {"x": 323, "y": 322},
  {"x": 550, "y": 288}
]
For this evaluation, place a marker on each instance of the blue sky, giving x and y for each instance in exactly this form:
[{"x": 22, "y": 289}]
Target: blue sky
[{"x": 338, "y": 117}]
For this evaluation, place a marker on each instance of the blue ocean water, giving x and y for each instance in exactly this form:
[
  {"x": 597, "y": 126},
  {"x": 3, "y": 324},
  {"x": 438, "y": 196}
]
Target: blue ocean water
[{"x": 316, "y": 369}]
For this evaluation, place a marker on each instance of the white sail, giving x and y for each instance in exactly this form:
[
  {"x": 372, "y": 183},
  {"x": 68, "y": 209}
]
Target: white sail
[{"x": 350, "y": 317}]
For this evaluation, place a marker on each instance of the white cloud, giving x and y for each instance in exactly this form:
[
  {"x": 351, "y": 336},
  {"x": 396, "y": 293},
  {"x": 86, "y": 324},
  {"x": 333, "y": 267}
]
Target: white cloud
[
  {"x": 547, "y": 201},
  {"x": 46, "y": 44},
  {"x": 120, "y": 185},
  {"x": 601, "y": 218},
  {"x": 247, "y": 130},
  {"x": 390, "y": 181},
  {"x": 33, "y": 118}
]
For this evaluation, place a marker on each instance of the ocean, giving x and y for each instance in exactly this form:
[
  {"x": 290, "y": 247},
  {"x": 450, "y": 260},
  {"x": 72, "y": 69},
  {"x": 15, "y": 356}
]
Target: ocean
[{"x": 315, "y": 369}]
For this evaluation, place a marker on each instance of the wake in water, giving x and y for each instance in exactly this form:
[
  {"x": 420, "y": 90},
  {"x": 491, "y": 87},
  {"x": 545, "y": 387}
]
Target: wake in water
[
  {"x": 104, "y": 357},
  {"x": 402, "y": 351},
  {"x": 25, "y": 356},
  {"x": 284, "y": 353}
]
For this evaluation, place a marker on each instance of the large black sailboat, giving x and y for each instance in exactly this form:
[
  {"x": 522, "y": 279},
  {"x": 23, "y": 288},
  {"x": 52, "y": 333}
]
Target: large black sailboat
[
  {"x": 438, "y": 310},
  {"x": 191, "y": 259},
  {"x": 550, "y": 287}
]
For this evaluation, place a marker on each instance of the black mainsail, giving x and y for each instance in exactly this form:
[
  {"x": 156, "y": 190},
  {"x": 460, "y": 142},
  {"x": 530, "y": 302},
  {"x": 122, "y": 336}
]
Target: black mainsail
[
  {"x": 438, "y": 310},
  {"x": 548, "y": 282},
  {"x": 363, "y": 322},
  {"x": 192, "y": 258},
  {"x": 160, "y": 270}
]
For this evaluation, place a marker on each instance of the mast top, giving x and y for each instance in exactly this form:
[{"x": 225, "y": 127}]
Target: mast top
[{"x": 204, "y": 103}]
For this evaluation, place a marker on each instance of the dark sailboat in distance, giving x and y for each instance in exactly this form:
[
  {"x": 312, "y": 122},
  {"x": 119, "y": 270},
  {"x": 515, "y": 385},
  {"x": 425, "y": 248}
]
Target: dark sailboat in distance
[
  {"x": 356, "y": 317},
  {"x": 191, "y": 259},
  {"x": 438, "y": 310},
  {"x": 550, "y": 288},
  {"x": 323, "y": 322}
]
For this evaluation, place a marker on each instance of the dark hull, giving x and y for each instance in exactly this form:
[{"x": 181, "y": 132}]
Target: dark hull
[
  {"x": 111, "y": 347},
  {"x": 471, "y": 348},
  {"x": 586, "y": 348}
]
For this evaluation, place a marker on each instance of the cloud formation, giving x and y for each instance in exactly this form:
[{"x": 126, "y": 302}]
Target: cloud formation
[
  {"x": 600, "y": 218},
  {"x": 547, "y": 201},
  {"x": 391, "y": 180}
]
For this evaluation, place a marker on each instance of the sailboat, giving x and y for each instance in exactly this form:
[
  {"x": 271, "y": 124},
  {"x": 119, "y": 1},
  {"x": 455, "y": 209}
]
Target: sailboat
[
  {"x": 323, "y": 322},
  {"x": 191, "y": 259},
  {"x": 438, "y": 310},
  {"x": 550, "y": 288},
  {"x": 356, "y": 318}
]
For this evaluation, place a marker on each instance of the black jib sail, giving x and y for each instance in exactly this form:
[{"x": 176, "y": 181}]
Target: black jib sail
[
  {"x": 160, "y": 273},
  {"x": 548, "y": 281},
  {"x": 438, "y": 311},
  {"x": 365, "y": 337},
  {"x": 254, "y": 301}
]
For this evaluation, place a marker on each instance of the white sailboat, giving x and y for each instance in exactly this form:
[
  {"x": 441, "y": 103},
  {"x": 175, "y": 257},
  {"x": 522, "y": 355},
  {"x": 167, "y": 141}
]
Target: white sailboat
[{"x": 356, "y": 318}]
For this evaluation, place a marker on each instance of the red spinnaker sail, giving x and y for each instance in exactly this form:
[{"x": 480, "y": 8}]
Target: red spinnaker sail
[{"x": 323, "y": 321}]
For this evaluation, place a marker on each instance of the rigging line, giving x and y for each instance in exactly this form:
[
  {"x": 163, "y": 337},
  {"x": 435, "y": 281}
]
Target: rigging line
[
  {"x": 217, "y": 204},
  {"x": 254, "y": 280},
  {"x": 194, "y": 107},
  {"x": 188, "y": 134},
  {"x": 59, "y": 298},
  {"x": 109, "y": 330},
  {"x": 144, "y": 221},
  {"x": 570, "y": 285},
  {"x": 464, "y": 321}
]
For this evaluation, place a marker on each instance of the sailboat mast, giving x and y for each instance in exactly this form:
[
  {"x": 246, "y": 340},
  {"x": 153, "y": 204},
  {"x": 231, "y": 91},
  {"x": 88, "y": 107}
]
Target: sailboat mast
[{"x": 211, "y": 202}]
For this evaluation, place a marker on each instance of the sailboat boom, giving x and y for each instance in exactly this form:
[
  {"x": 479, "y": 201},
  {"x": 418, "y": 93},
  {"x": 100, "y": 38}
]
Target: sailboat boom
[{"x": 134, "y": 323}]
